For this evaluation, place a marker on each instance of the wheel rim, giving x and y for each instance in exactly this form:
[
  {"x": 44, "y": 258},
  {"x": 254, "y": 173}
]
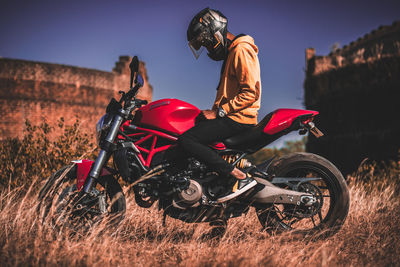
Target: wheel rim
[
  {"x": 290, "y": 217},
  {"x": 75, "y": 210},
  {"x": 66, "y": 207}
]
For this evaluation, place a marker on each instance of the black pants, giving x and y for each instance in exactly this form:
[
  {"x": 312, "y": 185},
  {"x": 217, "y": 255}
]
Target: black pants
[{"x": 196, "y": 140}]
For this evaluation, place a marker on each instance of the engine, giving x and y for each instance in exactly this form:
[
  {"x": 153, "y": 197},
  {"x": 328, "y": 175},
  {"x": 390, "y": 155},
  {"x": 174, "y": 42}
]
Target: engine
[
  {"x": 202, "y": 183},
  {"x": 186, "y": 182},
  {"x": 193, "y": 185}
]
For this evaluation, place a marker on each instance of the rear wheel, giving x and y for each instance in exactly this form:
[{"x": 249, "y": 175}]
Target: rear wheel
[
  {"x": 62, "y": 204},
  {"x": 329, "y": 189}
]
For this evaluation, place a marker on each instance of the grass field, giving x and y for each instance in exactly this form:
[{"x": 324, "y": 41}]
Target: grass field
[{"x": 370, "y": 236}]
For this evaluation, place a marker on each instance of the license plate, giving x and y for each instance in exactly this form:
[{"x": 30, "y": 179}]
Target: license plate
[{"x": 316, "y": 132}]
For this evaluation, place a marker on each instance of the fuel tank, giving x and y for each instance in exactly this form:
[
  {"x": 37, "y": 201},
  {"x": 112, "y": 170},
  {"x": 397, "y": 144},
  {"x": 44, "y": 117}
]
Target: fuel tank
[{"x": 171, "y": 115}]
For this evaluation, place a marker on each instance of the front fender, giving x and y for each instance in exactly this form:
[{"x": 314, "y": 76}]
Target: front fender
[{"x": 84, "y": 167}]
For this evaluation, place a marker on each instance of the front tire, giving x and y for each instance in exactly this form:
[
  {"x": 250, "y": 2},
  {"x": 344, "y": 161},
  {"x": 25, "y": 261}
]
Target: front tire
[
  {"x": 331, "y": 209},
  {"x": 62, "y": 204}
]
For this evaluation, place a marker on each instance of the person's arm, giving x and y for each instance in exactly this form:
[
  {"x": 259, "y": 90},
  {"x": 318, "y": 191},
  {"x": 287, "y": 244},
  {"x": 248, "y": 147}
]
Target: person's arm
[{"x": 247, "y": 72}]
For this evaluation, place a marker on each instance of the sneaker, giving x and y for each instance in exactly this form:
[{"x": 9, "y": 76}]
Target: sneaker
[{"x": 241, "y": 186}]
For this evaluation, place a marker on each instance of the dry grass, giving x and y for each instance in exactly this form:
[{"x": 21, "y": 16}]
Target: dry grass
[{"x": 370, "y": 236}]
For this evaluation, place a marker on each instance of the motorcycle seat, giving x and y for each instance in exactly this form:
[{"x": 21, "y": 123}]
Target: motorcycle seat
[{"x": 249, "y": 139}]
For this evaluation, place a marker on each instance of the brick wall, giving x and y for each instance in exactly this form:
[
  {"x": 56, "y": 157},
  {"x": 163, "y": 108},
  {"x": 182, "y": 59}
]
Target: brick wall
[{"x": 36, "y": 90}]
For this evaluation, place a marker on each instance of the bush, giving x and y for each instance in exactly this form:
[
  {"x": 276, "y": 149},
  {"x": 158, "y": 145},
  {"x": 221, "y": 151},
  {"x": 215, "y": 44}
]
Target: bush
[
  {"x": 373, "y": 175},
  {"x": 288, "y": 147},
  {"x": 36, "y": 154}
]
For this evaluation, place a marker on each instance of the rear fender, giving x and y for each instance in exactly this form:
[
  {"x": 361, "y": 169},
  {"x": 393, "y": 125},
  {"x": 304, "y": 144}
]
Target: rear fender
[{"x": 84, "y": 167}]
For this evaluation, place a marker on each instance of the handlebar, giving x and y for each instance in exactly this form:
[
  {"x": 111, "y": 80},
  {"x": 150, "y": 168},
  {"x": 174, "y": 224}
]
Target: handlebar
[{"x": 128, "y": 96}]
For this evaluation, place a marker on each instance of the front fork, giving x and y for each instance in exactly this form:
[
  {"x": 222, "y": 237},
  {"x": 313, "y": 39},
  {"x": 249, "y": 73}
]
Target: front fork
[{"x": 106, "y": 149}]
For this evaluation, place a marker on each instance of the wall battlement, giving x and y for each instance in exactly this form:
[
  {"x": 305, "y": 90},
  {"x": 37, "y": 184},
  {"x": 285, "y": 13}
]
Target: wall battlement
[
  {"x": 380, "y": 43},
  {"x": 35, "y": 90},
  {"x": 356, "y": 90}
]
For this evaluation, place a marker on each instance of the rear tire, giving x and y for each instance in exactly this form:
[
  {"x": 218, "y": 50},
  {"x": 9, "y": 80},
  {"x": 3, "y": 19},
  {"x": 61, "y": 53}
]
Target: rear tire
[{"x": 332, "y": 189}]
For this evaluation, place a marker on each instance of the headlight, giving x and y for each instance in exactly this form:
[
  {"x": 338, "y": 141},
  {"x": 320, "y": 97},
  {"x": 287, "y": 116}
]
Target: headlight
[{"x": 102, "y": 126}]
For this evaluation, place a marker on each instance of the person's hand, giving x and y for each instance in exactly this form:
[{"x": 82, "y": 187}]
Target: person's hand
[{"x": 209, "y": 114}]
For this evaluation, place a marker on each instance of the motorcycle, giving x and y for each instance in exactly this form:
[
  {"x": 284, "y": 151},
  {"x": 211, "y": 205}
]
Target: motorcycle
[{"x": 300, "y": 192}]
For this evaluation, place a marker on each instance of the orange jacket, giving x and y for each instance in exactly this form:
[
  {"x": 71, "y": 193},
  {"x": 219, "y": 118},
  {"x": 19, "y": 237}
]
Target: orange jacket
[{"x": 239, "y": 91}]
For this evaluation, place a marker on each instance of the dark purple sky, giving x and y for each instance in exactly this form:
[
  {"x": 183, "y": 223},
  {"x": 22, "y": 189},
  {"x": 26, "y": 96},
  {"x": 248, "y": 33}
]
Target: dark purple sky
[{"x": 93, "y": 33}]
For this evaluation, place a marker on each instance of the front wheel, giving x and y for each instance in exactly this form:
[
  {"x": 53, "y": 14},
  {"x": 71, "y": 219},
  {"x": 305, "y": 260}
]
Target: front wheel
[
  {"x": 62, "y": 204},
  {"x": 327, "y": 186}
]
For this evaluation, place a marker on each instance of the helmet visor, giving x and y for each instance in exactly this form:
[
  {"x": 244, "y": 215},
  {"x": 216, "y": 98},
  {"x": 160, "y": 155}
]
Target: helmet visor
[
  {"x": 198, "y": 43},
  {"x": 196, "y": 52}
]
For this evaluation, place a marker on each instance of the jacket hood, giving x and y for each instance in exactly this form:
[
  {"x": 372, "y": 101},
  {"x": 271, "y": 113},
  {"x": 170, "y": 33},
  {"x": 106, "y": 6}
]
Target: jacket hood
[{"x": 244, "y": 39}]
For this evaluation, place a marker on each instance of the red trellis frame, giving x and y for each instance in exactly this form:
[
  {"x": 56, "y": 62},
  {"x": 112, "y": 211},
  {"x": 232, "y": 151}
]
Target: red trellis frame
[{"x": 148, "y": 134}]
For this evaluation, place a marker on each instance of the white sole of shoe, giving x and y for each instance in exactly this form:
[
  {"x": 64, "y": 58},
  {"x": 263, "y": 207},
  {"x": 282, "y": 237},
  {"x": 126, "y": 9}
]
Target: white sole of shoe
[{"x": 238, "y": 192}]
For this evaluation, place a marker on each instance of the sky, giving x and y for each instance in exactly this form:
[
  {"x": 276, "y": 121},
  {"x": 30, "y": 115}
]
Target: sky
[{"x": 94, "y": 33}]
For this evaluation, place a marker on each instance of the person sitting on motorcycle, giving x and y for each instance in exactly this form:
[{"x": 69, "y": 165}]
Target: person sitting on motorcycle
[{"x": 238, "y": 94}]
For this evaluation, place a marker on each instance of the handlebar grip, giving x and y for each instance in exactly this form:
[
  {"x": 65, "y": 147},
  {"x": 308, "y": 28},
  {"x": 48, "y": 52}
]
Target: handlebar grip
[
  {"x": 142, "y": 102},
  {"x": 131, "y": 92}
]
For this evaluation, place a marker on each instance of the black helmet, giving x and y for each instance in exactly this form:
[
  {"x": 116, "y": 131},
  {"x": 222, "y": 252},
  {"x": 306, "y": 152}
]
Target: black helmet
[{"x": 208, "y": 29}]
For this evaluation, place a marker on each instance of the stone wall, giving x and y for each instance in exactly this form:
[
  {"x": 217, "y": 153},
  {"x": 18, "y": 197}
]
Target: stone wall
[
  {"x": 36, "y": 90},
  {"x": 356, "y": 89}
]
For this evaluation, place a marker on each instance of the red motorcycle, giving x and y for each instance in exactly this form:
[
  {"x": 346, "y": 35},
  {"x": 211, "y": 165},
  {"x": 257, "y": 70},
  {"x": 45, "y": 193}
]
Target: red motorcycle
[{"x": 300, "y": 191}]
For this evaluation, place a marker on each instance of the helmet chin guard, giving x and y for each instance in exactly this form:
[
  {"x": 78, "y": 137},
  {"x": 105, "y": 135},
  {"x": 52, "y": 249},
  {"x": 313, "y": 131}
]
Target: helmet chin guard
[{"x": 220, "y": 50}]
